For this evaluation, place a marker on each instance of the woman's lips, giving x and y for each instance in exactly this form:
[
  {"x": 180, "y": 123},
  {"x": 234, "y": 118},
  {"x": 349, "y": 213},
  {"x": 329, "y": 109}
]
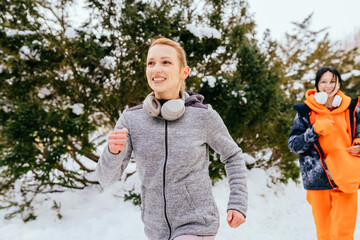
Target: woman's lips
[{"x": 158, "y": 79}]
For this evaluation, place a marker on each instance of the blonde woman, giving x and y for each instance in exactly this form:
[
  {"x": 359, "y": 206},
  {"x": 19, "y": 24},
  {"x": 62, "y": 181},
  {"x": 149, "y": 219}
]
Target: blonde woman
[{"x": 170, "y": 135}]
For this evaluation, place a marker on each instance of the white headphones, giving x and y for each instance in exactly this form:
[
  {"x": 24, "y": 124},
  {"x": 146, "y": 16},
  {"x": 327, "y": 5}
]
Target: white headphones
[
  {"x": 170, "y": 110},
  {"x": 321, "y": 97}
]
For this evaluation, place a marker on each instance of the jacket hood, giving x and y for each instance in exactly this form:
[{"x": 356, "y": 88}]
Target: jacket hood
[
  {"x": 192, "y": 98},
  {"x": 315, "y": 106}
]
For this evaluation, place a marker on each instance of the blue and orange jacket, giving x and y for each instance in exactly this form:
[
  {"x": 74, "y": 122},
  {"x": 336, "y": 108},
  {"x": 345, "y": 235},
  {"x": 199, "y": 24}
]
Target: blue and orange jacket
[{"x": 316, "y": 158}]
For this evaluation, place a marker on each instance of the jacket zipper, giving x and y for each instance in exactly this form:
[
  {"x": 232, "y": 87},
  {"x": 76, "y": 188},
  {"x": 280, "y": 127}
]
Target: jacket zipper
[
  {"x": 164, "y": 176},
  {"x": 322, "y": 164},
  {"x": 322, "y": 158},
  {"x": 353, "y": 125}
]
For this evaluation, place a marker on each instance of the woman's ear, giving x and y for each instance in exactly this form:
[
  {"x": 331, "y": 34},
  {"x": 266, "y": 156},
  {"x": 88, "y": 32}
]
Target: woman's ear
[{"x": 186, "y": 72}]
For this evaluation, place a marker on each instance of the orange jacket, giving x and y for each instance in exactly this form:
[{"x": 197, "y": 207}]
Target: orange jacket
[{"x": 343, "y": 167}]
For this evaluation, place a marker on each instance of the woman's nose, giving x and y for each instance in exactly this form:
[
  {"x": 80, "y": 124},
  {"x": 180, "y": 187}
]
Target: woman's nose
[{"x": 157, "y": 68}]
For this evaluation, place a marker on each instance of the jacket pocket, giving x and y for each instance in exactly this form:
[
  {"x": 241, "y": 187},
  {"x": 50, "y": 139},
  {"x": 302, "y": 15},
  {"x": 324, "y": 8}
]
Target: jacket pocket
[
  {"x": 344, "y": 169},
  {"x": 201, "y": 196},
  {"x": 191, "y": 204},
  {"x": 181, "y": 210},
  {"x": 152, "y": 213}
]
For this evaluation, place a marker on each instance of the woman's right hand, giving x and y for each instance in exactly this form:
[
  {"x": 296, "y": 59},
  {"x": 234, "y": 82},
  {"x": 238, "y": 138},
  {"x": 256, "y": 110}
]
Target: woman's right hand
[
  {"x": 354, "y": 150},
  {"x": 117, "y": 140},
  {"x": 323, "y": 126}
]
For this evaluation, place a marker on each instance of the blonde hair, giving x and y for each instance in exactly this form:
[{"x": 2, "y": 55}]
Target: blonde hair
[{"x": 180, "y": 52}]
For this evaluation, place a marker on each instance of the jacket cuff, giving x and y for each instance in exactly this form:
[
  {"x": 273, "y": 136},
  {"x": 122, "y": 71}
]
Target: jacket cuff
[
  {"x": 114, "y": 154},
  {"x": 242, "y": 211},
  {"x": 238, "y": 207},
  {"x": 111, "y": 158},
  {"x": 310, "y": 135}
]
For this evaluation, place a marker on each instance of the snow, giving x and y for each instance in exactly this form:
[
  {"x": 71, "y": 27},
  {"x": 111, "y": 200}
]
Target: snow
[
  {"x": 70, "y": 33},
  {"x": 211, "y": 80},
  {"x": 13, "y": 32},
  {"x": 78, "y": 13},
  {"x": 27, "y": 54},
  {"x": 350, "y": 74},
  {"x": 310, "y": 75},
  {"x": 77, "y": 108},
  {"x": 298, "y": 85},
  {"x": 276, "y": 211},
  {"x": 108, "y": 62},
  {"x": 43, "y": 92},
  {"x": 201, "y": 32}
]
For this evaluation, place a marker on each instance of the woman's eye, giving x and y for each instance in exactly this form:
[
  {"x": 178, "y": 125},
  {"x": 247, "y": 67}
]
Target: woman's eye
[
  {"x": 167, "y": 62},
  {"x": 150, "y": 63}
]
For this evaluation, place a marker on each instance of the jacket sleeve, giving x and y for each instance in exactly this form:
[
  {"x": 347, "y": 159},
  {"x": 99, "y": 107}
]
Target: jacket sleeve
[
  {"x": 301, "y": 136},
  {"x": 111, "y": 166},
  {"x": 219, "y": 139}
]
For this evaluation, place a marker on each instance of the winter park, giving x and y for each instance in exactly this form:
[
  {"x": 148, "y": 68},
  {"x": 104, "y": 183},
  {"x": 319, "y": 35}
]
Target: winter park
[{"x": 70, "y": 69}]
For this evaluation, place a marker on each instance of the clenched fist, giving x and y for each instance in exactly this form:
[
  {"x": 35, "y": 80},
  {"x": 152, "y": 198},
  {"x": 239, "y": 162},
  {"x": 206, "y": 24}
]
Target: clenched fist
[
  {"x": 117, "y": 140},
  {"x": 235, "y": 218}
]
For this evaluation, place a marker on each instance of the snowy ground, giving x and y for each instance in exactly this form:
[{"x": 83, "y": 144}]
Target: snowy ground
[{"x": 276, "y": 213}]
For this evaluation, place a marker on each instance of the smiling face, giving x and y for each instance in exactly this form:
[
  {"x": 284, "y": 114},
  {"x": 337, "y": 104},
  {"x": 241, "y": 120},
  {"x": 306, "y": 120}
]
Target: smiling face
[
  {"x": 164, "y": 72},
  {"x": 329, "y": 83}
]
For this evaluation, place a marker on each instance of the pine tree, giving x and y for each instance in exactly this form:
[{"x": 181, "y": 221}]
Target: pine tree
[
  {"x": 60, "y": 83},
  {"x": 305, "y": 51}
]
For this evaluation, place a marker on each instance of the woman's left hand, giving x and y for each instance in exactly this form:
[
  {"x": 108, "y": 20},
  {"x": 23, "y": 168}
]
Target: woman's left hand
[
  {"x": 354, "y": 150},
  {"x": 235, "y": 218}
]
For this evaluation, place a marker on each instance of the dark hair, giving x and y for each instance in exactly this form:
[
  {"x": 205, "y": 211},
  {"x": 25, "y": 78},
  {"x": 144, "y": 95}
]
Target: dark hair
[{"x": 323, "y": 70}]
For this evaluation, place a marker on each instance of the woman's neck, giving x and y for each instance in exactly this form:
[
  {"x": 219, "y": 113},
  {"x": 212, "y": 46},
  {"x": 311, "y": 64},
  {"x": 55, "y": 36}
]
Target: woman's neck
[
  {"x": 328, "y": 103},
  {"x": 167, "y": 95}
]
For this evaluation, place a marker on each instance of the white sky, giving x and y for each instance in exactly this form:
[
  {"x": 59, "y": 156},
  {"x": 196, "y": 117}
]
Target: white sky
[{"x": 342, "y": 17}]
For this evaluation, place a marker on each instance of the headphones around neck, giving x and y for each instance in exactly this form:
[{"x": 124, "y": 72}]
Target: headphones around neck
[
  {"x": 171, "y": 110},
  {"x": 321, "y": 97}
]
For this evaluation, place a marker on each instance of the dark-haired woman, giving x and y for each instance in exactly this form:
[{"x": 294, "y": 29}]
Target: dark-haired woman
[{"x": 326, "y": 134}]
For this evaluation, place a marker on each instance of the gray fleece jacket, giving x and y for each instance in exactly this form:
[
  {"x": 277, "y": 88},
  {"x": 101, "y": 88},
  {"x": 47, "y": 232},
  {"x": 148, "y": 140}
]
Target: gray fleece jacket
[{"x": 172, "y": 158}]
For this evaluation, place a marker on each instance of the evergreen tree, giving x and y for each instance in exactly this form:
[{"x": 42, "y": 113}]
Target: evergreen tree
[{"x": 61, "y": 83}]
